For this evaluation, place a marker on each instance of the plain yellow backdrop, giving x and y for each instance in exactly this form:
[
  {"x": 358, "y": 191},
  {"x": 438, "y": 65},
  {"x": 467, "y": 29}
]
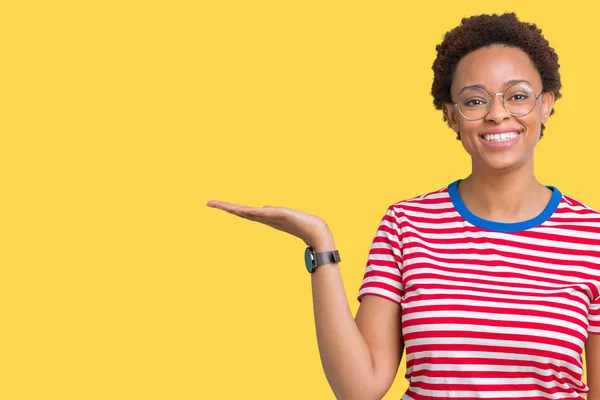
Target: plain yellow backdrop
[{"x": 121, "y": 119}]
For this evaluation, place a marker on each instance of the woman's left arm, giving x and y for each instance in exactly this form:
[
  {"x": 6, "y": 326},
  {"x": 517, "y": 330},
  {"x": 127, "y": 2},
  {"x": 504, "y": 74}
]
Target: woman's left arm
[{"x": 592, "y": 366}]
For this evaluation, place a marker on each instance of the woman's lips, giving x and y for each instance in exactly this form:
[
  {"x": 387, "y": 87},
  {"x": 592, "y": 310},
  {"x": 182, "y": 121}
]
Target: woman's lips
[{"x": 500, "y": 144}]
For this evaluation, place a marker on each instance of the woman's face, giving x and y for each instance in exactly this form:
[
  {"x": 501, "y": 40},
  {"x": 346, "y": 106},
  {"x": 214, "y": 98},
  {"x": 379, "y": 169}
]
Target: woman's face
[{"x": 493, "y": 68}]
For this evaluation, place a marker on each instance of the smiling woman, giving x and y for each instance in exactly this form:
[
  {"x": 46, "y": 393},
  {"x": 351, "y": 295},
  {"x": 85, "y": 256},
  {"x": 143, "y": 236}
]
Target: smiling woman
[
  {"x": 491, "y": 283},
  {"x": 497, "y": 275}
]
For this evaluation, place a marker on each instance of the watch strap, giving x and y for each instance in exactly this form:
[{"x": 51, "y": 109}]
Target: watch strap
[{"x": 327, "y": 257}]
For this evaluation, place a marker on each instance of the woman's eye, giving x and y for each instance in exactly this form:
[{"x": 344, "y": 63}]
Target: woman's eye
[
  {"x": 474, "y": 103},
  {"x": 518, "y": 97}
]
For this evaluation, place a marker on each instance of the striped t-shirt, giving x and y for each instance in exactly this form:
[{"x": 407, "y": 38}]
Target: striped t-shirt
[{"x": 489, "y": 310}]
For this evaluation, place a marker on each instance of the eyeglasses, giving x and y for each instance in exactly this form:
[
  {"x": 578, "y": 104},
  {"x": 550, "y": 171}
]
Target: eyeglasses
[{"x": 518, "y": 100}]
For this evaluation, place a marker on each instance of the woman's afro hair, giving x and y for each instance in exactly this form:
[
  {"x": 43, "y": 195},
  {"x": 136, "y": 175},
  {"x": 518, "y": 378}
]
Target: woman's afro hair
[{"x": 483, "y": 31}]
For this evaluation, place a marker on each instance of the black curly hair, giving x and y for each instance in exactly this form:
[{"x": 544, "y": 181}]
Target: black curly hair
[{"x": 486, "y": 30}]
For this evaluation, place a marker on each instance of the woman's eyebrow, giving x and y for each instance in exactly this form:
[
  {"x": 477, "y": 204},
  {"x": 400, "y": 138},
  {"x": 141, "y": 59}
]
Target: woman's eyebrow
[
  {"x": 506, "y": 84},
  {"x": 478, "y": 86},
  {"x": 515, "y": 81}
]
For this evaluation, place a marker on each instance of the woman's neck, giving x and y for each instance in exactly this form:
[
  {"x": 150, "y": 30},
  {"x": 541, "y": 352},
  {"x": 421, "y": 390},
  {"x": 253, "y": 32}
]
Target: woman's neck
[{"x": 504, "y": 197}]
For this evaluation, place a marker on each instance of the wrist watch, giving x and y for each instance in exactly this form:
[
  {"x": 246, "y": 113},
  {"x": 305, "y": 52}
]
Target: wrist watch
[{"x": 313, "y": 259}]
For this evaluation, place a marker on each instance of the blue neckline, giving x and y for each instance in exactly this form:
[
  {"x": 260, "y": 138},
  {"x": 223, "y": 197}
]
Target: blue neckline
[{"x": 503, "y": 226}]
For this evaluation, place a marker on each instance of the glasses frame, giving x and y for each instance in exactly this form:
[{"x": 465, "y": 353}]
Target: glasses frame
[{"x": 502, "y": 101}]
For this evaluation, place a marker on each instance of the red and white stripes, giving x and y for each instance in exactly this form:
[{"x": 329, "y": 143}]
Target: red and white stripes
[{"x": 489, "y": 314}]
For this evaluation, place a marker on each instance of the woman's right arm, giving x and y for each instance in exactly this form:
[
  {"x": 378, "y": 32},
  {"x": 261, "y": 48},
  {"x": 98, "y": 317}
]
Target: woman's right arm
[{"x": 361, "y": 355}]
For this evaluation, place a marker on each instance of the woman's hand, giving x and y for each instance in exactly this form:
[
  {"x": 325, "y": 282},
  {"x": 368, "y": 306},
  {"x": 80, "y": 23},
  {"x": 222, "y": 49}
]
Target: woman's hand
[{"x": 310, "y": 228}]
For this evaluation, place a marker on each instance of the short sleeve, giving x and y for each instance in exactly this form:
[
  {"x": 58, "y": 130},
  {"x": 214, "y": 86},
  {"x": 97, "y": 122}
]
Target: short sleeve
[
  {"x": 594, "y": 316},
  {"x": 383, "y": 275}
]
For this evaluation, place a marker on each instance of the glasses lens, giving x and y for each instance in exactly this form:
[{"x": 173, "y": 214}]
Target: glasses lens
[
  {"x": 473, "y": 103},
  {"x": 519, "y": 99}
]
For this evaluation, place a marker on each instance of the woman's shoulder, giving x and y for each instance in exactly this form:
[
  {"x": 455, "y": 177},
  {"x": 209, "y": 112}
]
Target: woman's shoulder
[
  {"x": 569, "y": 202},
  {"x": 573, "y": 212},
  {"x": 437, "y": 199}
]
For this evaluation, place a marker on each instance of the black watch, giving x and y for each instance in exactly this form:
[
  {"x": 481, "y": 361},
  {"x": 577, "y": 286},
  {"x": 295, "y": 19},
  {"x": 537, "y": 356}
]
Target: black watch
[{"x": 313, "y": 259}]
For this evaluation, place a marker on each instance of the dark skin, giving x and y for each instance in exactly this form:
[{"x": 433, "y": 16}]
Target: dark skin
[{"x": 502, "y": 186}]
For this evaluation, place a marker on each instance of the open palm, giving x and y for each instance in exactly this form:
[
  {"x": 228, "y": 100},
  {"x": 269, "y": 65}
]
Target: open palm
[{"x": 305, "y": 226}]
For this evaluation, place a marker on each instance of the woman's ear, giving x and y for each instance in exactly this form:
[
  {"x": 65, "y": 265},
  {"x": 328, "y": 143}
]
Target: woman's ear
[
  {"x": 450, "y": 116},
  {"x": 547, "y": 104}
]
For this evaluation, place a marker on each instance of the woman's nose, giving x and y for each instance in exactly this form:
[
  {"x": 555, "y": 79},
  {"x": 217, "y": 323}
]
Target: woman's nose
[{"x": 497, "y": 111}]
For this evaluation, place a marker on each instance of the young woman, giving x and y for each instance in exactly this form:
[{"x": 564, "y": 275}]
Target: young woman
[{"x": 493, "y": 282}]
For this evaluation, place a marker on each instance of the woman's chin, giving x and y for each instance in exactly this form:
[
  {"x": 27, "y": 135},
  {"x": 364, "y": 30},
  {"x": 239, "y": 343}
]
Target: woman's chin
[{"x": 502, "y": 164}]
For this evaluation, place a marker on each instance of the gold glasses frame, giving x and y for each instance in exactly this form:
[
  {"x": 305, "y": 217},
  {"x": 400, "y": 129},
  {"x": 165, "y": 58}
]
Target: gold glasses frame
[{"x": 489, "y": 104}]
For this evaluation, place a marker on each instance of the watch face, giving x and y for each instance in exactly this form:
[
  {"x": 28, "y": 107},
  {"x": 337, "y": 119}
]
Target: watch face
[{"x": 309, "y": 261}]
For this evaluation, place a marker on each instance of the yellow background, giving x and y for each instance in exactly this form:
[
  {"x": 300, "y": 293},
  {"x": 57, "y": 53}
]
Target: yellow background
[{"x": 121, "y": 119}]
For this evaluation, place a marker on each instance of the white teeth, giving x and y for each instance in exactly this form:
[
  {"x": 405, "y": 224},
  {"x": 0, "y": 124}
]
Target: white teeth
[{"x": 501, "y": 137}]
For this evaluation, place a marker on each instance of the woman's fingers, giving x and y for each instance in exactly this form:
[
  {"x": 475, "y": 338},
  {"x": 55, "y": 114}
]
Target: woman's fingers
[
  {"x": 251, "y": 213},
  {"x": 248, "y": 212},
  {"x": 220, "y": 204}
]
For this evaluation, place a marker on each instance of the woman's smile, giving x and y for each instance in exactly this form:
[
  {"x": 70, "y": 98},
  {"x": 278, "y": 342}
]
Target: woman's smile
[{"x": 500, "y": 138}]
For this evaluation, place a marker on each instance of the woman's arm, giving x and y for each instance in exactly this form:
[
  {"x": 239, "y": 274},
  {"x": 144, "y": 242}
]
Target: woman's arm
[
  {"x": 360, "y": 357},
  {"x": 592, "y": 366}
]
